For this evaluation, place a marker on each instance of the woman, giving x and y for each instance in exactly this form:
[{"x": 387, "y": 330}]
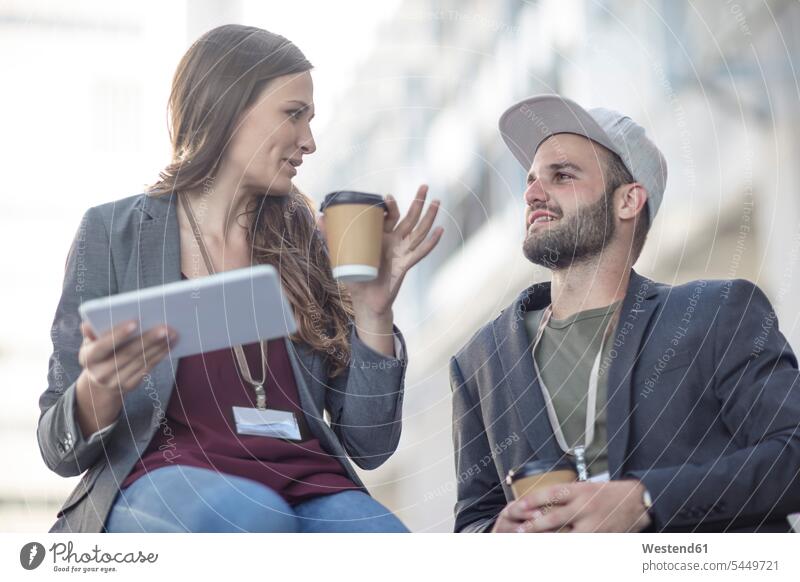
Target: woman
[{"x": 155, "y": 434}]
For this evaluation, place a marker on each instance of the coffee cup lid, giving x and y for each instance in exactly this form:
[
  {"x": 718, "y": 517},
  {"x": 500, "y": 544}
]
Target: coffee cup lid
[
  {"x": 352, "y": 197},
  {"x": 539, "y": 466}
]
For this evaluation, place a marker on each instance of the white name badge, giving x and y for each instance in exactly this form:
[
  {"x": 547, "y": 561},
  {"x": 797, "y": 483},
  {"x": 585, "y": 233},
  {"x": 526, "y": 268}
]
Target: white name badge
[
  {"x": 279, "y": 424},
  {"x": 600, "y": 478}
]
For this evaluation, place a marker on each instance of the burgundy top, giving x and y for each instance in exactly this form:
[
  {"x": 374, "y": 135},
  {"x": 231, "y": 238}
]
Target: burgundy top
[{"x": 199, "y": 430}]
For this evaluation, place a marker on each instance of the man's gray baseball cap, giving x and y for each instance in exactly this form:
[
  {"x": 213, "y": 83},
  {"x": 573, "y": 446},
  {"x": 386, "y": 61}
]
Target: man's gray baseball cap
[{"x": 526, "y": 125}]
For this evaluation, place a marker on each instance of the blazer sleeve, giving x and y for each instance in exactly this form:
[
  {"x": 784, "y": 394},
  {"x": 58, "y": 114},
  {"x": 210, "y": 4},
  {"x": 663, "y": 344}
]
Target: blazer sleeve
[
  {"x": 480, "y": 493},
  {"x": 365, "y": 403},
  {"x": 757, "y": 385},
  {"x": 88, "y": 274}
]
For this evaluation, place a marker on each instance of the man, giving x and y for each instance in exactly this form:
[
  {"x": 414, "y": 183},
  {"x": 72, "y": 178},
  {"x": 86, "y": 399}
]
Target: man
[{"x": 691, "y": 392}]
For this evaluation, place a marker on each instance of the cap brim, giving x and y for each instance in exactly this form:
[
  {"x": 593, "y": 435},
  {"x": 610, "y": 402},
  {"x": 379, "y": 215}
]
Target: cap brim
[{"x": 527, "y": 124}]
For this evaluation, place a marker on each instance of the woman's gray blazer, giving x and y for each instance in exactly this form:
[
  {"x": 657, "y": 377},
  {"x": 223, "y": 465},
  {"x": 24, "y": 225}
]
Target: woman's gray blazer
[{"x": 134, "y": 243}]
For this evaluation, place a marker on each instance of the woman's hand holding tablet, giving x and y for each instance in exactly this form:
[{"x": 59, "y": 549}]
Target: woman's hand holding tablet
[{"x": 114, "y": 363}]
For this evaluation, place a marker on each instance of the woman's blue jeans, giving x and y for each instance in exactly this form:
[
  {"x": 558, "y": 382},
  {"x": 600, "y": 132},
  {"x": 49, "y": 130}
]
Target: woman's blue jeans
[{"x": 190, "y": 499}]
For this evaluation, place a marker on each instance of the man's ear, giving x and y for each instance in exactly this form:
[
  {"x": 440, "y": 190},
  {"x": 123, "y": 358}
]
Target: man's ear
[{"x": 631, "y": 199}]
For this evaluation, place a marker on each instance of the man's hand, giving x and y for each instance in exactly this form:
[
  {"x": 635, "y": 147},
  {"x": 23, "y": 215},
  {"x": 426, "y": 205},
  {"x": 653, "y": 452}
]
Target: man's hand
[
  {"x": 518, "y": 515},
  {"x": 613, "y": 506}
]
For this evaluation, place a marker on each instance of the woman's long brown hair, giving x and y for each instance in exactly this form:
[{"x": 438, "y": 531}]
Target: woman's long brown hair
[{"x": 217, "y": 79}]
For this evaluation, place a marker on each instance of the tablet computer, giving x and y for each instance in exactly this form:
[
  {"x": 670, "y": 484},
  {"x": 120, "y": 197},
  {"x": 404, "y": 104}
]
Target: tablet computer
[{"x": 208, "y": 313}]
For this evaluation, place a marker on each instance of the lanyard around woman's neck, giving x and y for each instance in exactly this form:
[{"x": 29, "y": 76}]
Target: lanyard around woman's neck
[
  {"x": 241, "y": 360},
  {"x": 577, "y": 451}
]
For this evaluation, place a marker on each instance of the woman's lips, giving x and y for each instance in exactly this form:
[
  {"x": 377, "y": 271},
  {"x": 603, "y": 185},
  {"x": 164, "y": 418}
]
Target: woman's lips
[{"x": 291, "y": 166}]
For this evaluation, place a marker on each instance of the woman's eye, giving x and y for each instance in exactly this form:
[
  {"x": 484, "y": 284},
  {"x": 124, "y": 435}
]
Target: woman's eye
[{"x": 296, "y": 114}]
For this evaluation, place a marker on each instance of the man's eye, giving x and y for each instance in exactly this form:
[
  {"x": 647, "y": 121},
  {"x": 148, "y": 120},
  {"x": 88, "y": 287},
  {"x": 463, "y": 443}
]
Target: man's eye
[{"x": 563, "y": 176}]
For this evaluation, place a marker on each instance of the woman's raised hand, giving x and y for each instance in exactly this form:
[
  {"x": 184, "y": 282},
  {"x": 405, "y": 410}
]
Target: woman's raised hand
[{"x": 405, "y": 243}]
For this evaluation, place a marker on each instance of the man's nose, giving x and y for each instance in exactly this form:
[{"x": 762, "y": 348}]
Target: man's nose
[{"x": 535, "y": 193}]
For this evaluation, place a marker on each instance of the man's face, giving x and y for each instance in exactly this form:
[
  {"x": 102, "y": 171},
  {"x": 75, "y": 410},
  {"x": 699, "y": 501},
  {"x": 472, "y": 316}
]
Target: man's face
[{"x": 569, "y": 215}]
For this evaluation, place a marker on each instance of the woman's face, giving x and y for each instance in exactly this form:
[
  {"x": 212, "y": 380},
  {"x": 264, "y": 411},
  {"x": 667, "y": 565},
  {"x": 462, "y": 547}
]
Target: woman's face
[{"x": 273, "y": 135}]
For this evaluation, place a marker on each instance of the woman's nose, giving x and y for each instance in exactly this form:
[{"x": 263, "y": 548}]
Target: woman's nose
[{"x": 308, "y": 145}]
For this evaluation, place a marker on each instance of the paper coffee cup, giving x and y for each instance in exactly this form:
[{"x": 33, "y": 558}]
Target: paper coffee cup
[
  {"x": 537, "y": 474},
  {"x": 354, "y": 232}
]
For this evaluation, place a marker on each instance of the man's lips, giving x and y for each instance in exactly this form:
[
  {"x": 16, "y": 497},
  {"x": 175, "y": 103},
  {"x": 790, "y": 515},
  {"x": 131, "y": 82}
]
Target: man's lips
[{"x": 541, "y": 216}]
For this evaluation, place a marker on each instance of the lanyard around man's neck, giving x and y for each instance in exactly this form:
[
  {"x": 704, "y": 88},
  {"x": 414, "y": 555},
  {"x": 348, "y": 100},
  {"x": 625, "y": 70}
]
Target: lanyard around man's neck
[{"x": 577, "y": 451}]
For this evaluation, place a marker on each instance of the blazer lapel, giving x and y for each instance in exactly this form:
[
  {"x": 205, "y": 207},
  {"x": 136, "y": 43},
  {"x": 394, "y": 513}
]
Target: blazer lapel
[
  {"x": 159, "y": 242},
  {"x": 638, "y": 307},
  {"x": 159, "y": 262},
  {"x": 514, "y": 352},
  {"x": 303, "y": 360}
]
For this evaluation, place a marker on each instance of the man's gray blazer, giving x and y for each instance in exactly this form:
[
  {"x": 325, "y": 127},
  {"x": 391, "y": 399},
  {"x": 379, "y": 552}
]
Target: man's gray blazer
[
  {"x": 703, "y": 407},
  {"x": 132, "y": 244}
]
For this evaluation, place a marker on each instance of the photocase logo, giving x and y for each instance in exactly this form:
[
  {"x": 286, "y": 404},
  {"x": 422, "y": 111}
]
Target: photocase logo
[{"x": 31, "y": 555}]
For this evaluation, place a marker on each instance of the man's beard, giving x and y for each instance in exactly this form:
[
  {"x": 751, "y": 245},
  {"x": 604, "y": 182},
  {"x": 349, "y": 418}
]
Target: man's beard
[{"x": 574, "y": 239}]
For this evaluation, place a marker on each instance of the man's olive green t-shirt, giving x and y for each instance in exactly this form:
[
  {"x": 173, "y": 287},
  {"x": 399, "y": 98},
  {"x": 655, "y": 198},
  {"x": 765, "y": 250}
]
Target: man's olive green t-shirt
[{"x": 565, "y": 356}]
